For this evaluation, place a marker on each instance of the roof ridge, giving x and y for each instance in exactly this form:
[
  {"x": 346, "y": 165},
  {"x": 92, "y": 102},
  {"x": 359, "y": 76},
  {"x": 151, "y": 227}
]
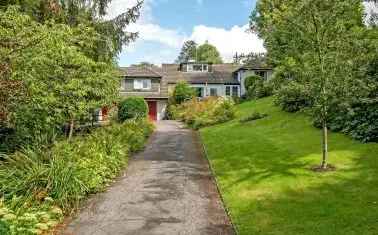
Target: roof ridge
[{"x": 151, "y": 70}]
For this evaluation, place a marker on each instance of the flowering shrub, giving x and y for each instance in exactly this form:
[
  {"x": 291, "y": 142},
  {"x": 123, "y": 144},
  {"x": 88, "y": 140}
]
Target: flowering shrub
[{"x": 206, "y": 112}]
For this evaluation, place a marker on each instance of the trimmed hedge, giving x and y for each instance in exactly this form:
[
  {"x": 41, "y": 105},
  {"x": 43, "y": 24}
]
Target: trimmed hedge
[{"x": 132, "y": 107}]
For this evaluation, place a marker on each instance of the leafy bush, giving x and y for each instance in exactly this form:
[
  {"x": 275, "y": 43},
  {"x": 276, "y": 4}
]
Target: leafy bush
[
  {"x": 293, "y": 97},
  {"x": 358, "y": 120},
  {"x": 254, "y": 116},
  {"x": 69, "y": 171},
  {"x": 182, "y": 93},
  {"x": 132, "y": 107},
  {"x": 38, "y": 218},
  {"x": 210, "y": 111},
  {"x": 257, "y": 87}
]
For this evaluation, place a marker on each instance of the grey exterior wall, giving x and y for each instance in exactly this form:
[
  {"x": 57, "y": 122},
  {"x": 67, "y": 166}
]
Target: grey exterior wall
[{"x": 129, "y": 85}]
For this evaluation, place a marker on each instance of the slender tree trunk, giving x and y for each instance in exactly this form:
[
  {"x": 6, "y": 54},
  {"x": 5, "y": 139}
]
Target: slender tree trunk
[
  {"x": 71, "y": 129},
  {"x": 325, "y": 145}
]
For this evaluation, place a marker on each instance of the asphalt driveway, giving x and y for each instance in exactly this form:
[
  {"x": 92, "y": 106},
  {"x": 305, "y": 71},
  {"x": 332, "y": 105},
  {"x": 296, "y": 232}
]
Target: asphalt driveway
[{"x": 167, "y": 189}]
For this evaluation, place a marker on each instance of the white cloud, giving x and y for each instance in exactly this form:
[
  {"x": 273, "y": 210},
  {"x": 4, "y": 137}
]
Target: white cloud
[
  {"x": 155, "y": 33},
  {"x": 117, "y": 7},
  {"x": 228, "y": 42}
]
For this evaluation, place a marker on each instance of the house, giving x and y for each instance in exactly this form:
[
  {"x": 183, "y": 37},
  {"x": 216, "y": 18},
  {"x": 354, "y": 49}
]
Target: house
[{"x": 156, "y": 83}]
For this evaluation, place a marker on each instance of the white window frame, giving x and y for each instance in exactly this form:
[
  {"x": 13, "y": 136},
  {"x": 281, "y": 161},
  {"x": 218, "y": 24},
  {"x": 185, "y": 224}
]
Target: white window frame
[
  {"x": 123, "y": 84},
  {"x": 231, "y": 87},
  {"x": 216, "y": 91},
  {"x": 139, "y": 84},
  {"x": 190, "y": 68},
  {"x": 225, "y": 90},
  {"x": 237, "y": 91}
]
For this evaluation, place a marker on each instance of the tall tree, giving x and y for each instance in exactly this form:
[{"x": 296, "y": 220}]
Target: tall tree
[
  {"x": 321, "y": 38},
  {"x": 51, "y": 63},
  {"x": 188, "y": 52},
  {"x": 209, "y": 53},
  {"x": 113, "y": 33}
]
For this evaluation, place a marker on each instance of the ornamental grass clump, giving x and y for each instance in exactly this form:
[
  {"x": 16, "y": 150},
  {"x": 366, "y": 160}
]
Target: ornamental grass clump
[{"x": 39, "y": 180}]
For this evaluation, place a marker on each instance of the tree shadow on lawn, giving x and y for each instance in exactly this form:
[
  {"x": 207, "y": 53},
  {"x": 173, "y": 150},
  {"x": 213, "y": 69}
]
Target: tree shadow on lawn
[
  {"x": 270, "y": 188},
  {"x": 345, "y": 206}
]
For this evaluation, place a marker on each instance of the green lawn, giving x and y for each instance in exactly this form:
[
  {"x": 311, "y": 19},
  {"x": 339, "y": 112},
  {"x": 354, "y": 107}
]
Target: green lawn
[{"x": 263, "y": 171}]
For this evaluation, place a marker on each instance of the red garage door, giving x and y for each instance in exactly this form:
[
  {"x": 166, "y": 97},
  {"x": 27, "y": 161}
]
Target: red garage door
[{"x": 152, "y": 110}]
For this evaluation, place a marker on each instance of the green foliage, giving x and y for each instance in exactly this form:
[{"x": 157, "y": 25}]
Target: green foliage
[
  {"x": 257, "y": 87},
  {"x": 182, "y": 93},
  {"x": 208, "y": 53},
  {"x": 36, "y": 219},
  {"x": 36, "y": 180},
  {"x": 293, "y": 97},
  {"x": 210, "y": 111},
  {"x": 314, "y": 45},
  {"x": 263, "y": 171},
  {"x": 112, "y": 34},
  {"x": 61, "y": 81},
  {"x": 188, "y": 52},
  {"x": 359, "y": 119},
  {"x": 132, "y": 107},
  {"x": 254, "y": 116}
]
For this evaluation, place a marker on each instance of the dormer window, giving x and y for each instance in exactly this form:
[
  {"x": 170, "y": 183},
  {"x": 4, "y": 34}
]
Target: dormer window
[{"x": 198, "y": 68}]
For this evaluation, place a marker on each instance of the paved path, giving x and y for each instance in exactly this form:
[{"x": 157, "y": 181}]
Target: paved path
[{"x": 167, "y": 189}]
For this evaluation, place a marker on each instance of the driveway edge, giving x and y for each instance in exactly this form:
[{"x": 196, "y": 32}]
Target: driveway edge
[{"x": 214, "y": 178}]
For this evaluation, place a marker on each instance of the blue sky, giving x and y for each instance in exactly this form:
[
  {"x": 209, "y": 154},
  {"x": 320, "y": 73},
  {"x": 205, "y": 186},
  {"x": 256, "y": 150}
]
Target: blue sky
[{"x": 165, "y": 24}]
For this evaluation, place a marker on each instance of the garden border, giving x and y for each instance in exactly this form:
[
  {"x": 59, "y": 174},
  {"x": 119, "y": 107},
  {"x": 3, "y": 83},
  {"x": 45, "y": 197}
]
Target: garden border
[{"x": 227, "y": 210}]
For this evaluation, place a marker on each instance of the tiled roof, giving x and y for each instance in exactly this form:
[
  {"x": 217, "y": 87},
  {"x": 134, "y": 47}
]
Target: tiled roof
[
  {"x": 221, "y": 74},
  {"x": 141, "y": 71}
]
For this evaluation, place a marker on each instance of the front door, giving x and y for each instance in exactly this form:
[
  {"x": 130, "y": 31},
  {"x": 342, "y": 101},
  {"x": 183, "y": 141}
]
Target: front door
[{"x": 152, "y": 110}]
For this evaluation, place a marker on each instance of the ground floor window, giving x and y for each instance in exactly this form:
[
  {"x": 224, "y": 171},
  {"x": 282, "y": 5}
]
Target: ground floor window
[
  {"x": 232, "y": 90},
  {"x": 235, "y": 91},
  {"x": 199, "y": 91},
  {"x": 213, "y": 92},
  {"x": 228, "y": 91}
]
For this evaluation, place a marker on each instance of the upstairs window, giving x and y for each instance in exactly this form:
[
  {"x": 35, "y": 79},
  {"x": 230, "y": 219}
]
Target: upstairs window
[
  {"x": 142, "y": 84},
  {"x": 123, "y": 84},
  {"x": 197, "y": 68}
]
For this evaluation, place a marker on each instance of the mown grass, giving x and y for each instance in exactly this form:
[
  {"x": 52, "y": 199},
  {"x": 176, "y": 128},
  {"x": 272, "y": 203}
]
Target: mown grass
[{"x": 263, "y": 170}]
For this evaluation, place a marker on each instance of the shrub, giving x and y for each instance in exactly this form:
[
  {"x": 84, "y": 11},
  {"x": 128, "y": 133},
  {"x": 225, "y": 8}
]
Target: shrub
[
  {"x": 254, "y": 116},
  {"x": 132, "y": 107},
  {"x": 293, "y": 97},
  {"x": 358, "y": 120},
  {"x": 257, "y": 87},
  {"x": 70, "y": 170},
  {"x": 182, "y": 92},
  {"x": 210, "y": 111}
]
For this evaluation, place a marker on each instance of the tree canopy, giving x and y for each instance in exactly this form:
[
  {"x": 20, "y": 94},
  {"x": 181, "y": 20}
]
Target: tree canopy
[
  {"x": 57, "y": 61},
  {"x": 208, "y": 53},
  {"x": 188, "y": 52},
  {"x": 316, "y": 42},
  {"x": 201, "y": 53}
]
